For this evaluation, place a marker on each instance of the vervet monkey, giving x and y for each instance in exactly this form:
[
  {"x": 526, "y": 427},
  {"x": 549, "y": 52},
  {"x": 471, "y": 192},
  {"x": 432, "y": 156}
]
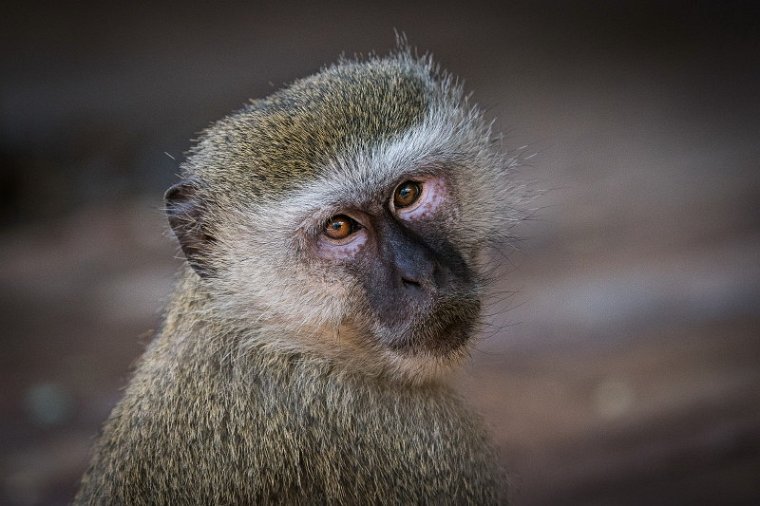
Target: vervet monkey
[{"x": 334, "y": 234}]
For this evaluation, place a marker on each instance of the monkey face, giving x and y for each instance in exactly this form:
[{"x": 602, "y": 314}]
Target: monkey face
[{"x": 418, "y": 294}]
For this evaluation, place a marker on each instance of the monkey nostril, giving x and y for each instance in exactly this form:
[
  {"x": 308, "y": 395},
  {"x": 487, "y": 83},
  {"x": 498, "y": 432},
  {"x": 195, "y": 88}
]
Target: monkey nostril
[{"x": 410, "y": 283}]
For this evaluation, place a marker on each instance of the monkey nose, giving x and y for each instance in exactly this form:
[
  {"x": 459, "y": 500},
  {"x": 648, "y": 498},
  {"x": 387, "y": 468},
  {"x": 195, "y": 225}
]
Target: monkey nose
[
  {"x": 410, "y": 283},
  {"x": 419, "y": 274},
  {"x": 415, "y": 266}
]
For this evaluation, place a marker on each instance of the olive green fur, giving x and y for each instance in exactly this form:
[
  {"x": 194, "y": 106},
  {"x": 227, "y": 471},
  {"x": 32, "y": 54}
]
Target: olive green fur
[
  {"x": 277, "y": 143},
  {"x": 218, "y": 411},
  {"x": 202, "y": 423}
]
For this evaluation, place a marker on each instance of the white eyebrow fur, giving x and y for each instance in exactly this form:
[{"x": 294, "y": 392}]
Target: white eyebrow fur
[{"x": 450, "y": 137}]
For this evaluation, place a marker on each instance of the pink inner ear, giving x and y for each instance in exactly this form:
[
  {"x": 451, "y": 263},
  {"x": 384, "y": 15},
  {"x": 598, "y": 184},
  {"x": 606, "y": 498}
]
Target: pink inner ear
[
  {"x": 332, "y": 251},
  {"x": 434, "y": 193}
]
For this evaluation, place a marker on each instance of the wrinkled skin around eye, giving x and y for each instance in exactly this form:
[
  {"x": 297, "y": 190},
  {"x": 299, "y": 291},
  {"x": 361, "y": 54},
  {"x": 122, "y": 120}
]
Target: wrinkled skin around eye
[
  {"x": 340, "y": 227},
  {"x": 344, "y": 235},
  {"x": 433, "y": 193},
  {"x": 406, "y": 194}
]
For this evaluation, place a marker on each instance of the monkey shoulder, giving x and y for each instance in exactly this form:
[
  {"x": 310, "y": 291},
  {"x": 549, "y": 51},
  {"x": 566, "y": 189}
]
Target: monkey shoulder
[{"x": 288, "y": 434}]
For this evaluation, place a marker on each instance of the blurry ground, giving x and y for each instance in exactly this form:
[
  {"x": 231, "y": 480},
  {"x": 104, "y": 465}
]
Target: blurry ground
[{"x": 626, "y": 367}]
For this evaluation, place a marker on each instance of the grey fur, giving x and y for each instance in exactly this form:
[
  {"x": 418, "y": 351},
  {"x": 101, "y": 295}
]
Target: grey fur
[{"x": 261, "y": 386}]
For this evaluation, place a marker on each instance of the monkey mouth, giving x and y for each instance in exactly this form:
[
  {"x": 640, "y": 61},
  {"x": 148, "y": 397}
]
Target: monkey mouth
[{"x": 442, "y": 330}]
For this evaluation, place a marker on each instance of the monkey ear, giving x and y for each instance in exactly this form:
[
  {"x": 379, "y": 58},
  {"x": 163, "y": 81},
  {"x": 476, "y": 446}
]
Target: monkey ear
[{"x": 186, "y": 211}]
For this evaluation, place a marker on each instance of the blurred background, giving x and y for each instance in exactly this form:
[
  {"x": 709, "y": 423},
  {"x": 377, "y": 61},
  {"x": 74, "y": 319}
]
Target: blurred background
[{"x": 624, "y": 368}]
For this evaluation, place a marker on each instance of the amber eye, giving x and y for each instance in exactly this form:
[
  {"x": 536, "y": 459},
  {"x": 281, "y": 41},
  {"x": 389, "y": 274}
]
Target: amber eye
[
  {"x": 340, "y": 227},
  {"x": 406, "y": 194}
]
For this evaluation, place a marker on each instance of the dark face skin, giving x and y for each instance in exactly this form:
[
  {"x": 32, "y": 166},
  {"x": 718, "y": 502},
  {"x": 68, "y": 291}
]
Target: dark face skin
[
  {"x": 420, "y": 295},
  {"x": 420, "y": 292},
  {"x": 419, "y": 288}
]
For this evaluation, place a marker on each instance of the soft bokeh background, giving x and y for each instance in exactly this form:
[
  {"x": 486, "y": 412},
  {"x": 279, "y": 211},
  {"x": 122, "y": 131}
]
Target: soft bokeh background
[{"x": 624, "y": 369}]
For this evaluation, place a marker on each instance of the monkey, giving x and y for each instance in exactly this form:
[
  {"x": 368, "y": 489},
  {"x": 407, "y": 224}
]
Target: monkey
[{"x": 335, "y": 236}]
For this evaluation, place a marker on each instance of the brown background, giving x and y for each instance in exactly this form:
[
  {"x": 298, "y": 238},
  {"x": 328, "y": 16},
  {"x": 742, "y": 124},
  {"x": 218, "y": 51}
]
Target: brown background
[{"x": 620, "y": 362}]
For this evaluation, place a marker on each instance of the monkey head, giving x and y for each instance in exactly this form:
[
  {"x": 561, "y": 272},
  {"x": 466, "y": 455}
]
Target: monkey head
[{"x": 350, "y": 212}]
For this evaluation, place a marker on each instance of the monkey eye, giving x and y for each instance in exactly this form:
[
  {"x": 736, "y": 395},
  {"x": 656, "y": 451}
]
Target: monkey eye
[
  {"x": 406, "y": 194},
  {"x": 340, "y": 226}
]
